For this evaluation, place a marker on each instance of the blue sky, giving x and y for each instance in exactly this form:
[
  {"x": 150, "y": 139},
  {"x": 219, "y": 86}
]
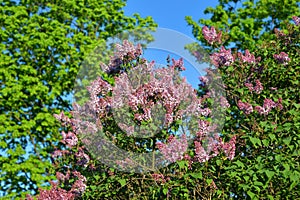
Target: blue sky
[{"x": 171, "y": 15}]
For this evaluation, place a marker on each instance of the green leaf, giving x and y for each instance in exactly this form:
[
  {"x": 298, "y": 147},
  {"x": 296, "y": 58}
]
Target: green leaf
[
  {"x": 122, "y": 182},
  {"x": 255, "y": 141},
  {"x": 197, "y": 175},
  {"x": 165, "y": 191},
  {"x": 251, "y": 194},
  {"x": 269, "y": 174}
]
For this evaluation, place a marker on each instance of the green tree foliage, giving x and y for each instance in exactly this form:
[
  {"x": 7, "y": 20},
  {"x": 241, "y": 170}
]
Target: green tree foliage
[
  {"x": 247, "y": 22},
  {"x": 43, "y": 44},
  {"x": 266, "y": 165},
  {"x": 267, "y": 162}
]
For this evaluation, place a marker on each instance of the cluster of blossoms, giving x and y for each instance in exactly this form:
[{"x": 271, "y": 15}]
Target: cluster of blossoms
[
  {"x": 246, "y": 107},
  {"x": 282, "y": 58},
  {"x": 70, "y": 139},
  {"x": 268, "y": 105},
  {"x": 209, "y": 144},
  {"x": 174, "y": 149},
  {"x": 54, "y": 193},
  {"x": 263, "y": 110},
  {"x": 258, "y": 88},
  {"x": 203, "y": 81},
  {"x": 141, "y": 89},
  {"x": 224, "y": 103},
  {"x": 78, "y": 187},
  {"x": 125, "y": 52},
  {"x": 178, "y": 64},
  {"x": 248, "y": 57},
  {"x": 296, "y": 20},
  {"x": 160, "y": 178},
  {"x": 211, "y": 35},
  {"x": 223, "y": 58}
]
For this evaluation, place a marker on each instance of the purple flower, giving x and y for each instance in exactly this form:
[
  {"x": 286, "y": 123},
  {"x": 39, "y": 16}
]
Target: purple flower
[
  {"x": 178, "y": 64},
  {"x": 246, "y": 107},
  {"x": 282, "y": 58},
  {"x": 53, "y": 193},
  {"x": 224, "y": 103},
  {"x": 223, "y": 58},
  {"x": 65, "y": 120},
  {"x": 201, "y": 154},
  {"x": 128, "y": 49},
  {"x": 279, "y": 33},
  {"x": 229, "y": 147},
  {"x": 258, "y": 87},
  {"x": 69, "y": 139},
  {"x": 124, "y": 53},
  {"x": 159, "y": 178},
  {"x": 249, "y": 58},
  {"x": 204, "y": 80},
  {"x": 249, "y": 86},
  {"x": 211, "y": 35},
  {"x": 296, "y": 20},
  {"x": 268, "y": 106},
  {"x": 82, "y": 158},
  {"x": 174, "y": 149}
]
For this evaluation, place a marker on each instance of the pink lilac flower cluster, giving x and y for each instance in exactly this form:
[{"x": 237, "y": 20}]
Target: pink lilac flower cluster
[
  {"x": 211, "y": 35},
  {"x": 69, "y": 139},
  {"x": 53, "y": 193},
  {"x": 203, "y": 129},
  {"x": 223, "y": 58},
  {"x": 160, "y": 178},
  {"x": 228, "y": 147},
  {"x": 215, "y": 145},
  {"x": 208, "y": 145},
  {"x": 145, "y": 88},
  {"x": 203, "y": 81},
  {"x": 258, "y": 88},
  {"x": 268, "y": 106},
  {"x": 224, "y": 103},
  {"x": 178, "y": 64},
  {"x": 65, "y": 120},
  {"x": 124, "y": 52},
  {"x": 99, "y": 87},
  {"x": 296, "y": 20},
  {"x": 128, "y": 49},
  {"x": 279, "y": 33},
  {"x": 81, "y": 157},
  {"x": 282, "y": 58},
  {"x": 249, "y": 86},
  {"x": 246, "y": 107},
  {"x": 249, "y": 58},
  {"x": 200, "y": 153},
  {"x": 76, "y": 190},
  {"x": 174, "y": 149}
]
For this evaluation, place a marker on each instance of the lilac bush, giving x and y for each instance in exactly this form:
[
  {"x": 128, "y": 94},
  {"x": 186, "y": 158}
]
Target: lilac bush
[
  {"x": 144, "y": 91},
  {"x": 240, "y": 157}
]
